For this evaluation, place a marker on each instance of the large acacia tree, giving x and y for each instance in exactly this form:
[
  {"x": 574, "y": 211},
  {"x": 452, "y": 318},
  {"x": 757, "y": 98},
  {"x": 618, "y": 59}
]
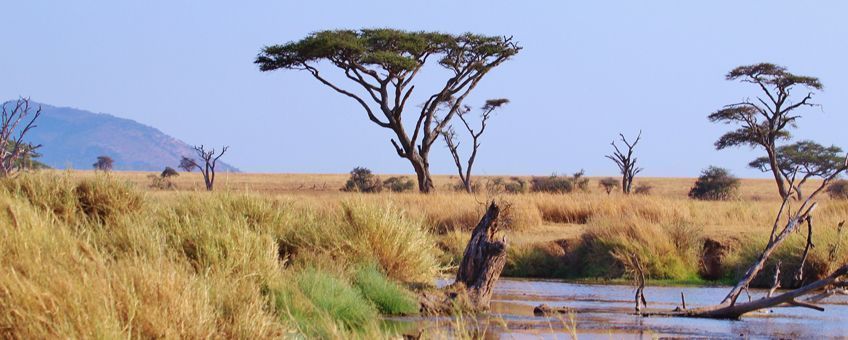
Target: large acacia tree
[
  {"x": 381, "y": 65},
  {"x": 765, "y": 120}
]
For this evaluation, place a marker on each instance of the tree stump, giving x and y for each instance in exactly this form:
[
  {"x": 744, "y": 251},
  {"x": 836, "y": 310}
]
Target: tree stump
[{"x": 481, "y": 266}]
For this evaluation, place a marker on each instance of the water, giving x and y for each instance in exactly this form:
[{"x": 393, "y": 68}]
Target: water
[{"x": 606, "y": 311}]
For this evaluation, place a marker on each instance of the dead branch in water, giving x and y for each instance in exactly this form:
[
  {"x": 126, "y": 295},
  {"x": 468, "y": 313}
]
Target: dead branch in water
[{"x": 730, "y": 309}]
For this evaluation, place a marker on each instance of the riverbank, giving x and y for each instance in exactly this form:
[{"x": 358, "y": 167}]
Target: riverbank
[{"x": 99, "y": 256}]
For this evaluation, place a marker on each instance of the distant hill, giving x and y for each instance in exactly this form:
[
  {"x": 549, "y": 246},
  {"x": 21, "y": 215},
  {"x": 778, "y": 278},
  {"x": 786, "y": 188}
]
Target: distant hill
[{"x": 73, "y": 138}]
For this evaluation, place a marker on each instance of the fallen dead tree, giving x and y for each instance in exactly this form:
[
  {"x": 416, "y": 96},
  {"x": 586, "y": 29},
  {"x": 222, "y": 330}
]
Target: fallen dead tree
[
  {"x": 481, "y": 266},
  {"x": 730, "y": 308}
]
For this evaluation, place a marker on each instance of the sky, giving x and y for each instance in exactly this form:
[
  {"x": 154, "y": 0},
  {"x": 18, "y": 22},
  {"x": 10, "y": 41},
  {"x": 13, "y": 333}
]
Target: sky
[{"x": 588, "y": 70}]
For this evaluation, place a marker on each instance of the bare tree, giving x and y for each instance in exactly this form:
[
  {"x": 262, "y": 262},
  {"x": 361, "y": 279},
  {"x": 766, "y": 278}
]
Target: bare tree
[
  {"x": 15, "y": 122},
  {"x": 626, "y": 162},
  {"x": 452, "y": 143},
  {"x": 382, "y": 65},
  {"x": 765, "y": 120},
  {"x": 103, "y": 163},
  {"x": 209, "y": 159}
]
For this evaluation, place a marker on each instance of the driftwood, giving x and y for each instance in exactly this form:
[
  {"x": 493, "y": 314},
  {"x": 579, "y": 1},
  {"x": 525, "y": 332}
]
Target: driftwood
[
  {"x": 730, "y": 309},
  {"x": 481, "y": 266}
]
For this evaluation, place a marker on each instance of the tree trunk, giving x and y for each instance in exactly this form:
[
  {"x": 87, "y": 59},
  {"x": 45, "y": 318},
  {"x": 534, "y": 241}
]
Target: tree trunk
[
  {"x": 481, "y": 266},
  {"x": 422, "y": 171},
  {"x": 775, "y": 170}
]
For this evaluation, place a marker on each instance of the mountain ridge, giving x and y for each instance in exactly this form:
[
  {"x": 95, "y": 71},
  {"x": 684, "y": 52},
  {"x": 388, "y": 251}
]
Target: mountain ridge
[{"x": 73, "y": 138}]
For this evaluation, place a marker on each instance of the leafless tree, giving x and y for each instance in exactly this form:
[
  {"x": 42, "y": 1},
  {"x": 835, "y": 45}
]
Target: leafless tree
[
  {"x": 626, "y": 162},
  {"x": 15, "y": 122},
  {"x": 452, "y": 143},
  {"x": 209, "y": 159}
]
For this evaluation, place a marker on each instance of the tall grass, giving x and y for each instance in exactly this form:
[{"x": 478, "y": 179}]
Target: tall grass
[{"x": 97, "y": 258}]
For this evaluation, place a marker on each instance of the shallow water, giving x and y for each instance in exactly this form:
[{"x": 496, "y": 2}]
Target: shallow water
[{"x": 605, "y": 311}]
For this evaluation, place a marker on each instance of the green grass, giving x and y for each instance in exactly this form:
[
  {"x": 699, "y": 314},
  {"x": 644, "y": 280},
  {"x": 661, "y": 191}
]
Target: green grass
[{"x": 389, "y": 297}]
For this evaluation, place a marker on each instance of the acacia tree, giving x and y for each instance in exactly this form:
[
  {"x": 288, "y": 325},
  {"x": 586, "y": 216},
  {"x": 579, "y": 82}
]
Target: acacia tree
[
  {"x": 764, "y": 121},
  {"x": 15, "y": 121},
  {"x": 382, "y": 65},
  {"x": 209, "y": 159},
  {"x": 805, "y": 159},
  {"x": 452, "y": 143},
  {"x": 626, "y": 162},
  {"x": 103, "y": 163}
]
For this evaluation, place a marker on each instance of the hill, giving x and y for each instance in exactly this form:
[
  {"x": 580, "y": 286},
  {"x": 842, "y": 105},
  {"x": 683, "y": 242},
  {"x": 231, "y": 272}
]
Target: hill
[{"x": 73, "y": 138}]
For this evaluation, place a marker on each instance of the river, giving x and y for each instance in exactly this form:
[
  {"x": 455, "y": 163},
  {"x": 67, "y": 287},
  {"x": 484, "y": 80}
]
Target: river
[{"x": 606, "y": 311}]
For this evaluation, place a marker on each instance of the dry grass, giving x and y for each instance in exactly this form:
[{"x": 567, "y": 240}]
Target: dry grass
[{"x": 88, "y": 255}]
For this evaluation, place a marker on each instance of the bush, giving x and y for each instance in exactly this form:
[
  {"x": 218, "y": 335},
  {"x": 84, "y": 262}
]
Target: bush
[
  {"x": 398, "y": 184},
  {"x": 643, "y": 189},
  {"x": 362, "y": 180},
  {"x": 513, "y": 185},
  {"x": 715, "y": 184},
  {"x": 838, "y": 189},
  {"x": 560, "y": 184},
  {"x": 169, "y": 172},
  {"x": 609, "y": 184}
]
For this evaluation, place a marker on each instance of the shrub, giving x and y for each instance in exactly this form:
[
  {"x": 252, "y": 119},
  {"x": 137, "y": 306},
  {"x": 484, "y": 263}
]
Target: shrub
[
  {"x": 389, "y": 297},
  {"x": 560, "y": 184},
  {"x": 362, "y": 180},
  {"x": 643, "y": 189},
  {"x": 169, "y": 172},
  {"x": 838, "y": 189},
  {"x": 609, "y": 184},
  {"x": 715, "y": 184},
  {"x": 398, "y": 184},
  {"x": 513, "y": 185}
]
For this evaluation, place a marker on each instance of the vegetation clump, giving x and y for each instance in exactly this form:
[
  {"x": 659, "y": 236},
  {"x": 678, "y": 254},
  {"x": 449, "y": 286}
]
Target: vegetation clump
[
  {"x": 560, "y": 184},
  {"x": 398, "y": 184},
  {"x": 362, "y": 180},
  {"x": 838, "y": 189},
  {"x": 716, "y": 184}
]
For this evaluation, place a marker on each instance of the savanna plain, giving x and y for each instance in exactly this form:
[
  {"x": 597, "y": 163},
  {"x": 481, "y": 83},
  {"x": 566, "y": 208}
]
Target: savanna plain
[{"x": 106, "y": 255}]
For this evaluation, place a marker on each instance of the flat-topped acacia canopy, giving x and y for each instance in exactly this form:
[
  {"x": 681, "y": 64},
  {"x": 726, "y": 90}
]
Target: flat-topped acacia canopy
[{"x": 383, "y": 63}]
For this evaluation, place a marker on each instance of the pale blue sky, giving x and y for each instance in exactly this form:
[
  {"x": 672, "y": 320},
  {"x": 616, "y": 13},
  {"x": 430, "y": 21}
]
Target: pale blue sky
[{"x": 588, "y": 70}]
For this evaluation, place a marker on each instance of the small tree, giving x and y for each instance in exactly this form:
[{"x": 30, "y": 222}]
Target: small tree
[
  {"x": 187, "y": 164},
  {"x": 766, "y": 120},
  {"x": 626, "y": 162},
  {"x": 715, "y": 184},
  {"x": 382, "y": 64},
  {"x": 805, "y": 158},
  {"x": 210, "y": 160},
  {"x": 103, "y": 163},
  {"x": 452, "y": 143},
  {"x": 609, "y": 184},
  {"x": 362, "y": 180},
  {"x": 15, "y": 121}
]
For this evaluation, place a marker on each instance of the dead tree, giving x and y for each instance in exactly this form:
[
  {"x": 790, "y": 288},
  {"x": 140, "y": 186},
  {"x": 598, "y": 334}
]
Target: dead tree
[
  {"x": 209, "y": 159},
  {"x": 452, "y": 143},
  {"x": 15, "y": 122},
  {"x": 481, "y": 266},
  {"x": 626, "y": 162},
  {"x": 729, "y": 308}
]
